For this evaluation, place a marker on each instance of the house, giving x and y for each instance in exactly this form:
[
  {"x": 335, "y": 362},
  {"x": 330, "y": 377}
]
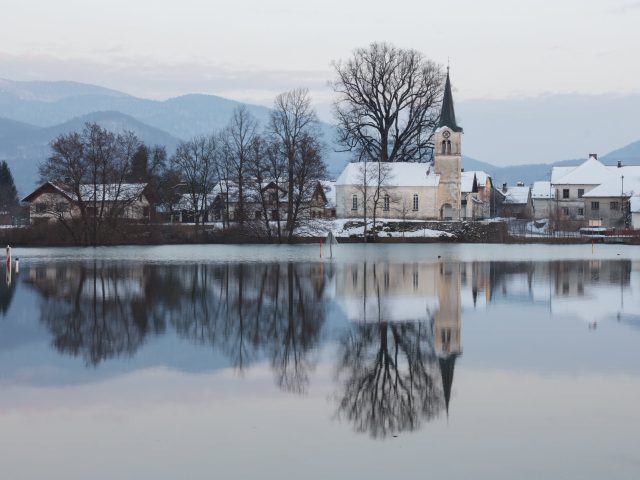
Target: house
[
  {"x": 516, "y": 201},
  {"x": 323, "y": 200},
  {"x": 476, "y": 195},
  {"x": 543, "y": 198},
  {"x": 409, "y": 190},
  {"x": 594, "y": 194},
  {"x": 608, "y": 204},
  {"x": 53, "y": 201}
]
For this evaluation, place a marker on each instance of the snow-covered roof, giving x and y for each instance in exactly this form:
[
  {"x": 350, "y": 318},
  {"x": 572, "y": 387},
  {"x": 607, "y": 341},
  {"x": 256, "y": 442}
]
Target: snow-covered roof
[
  {"x": 613, "y": 187},
  {"x": 558, "y": 172},
  {"x": 111, "y": 192},
  {"x": 590, "y": 172},
  {"x": 516, "y": 195},
  {"x": 400, "y": 174},
  {"x": 466, "y": 181},
  {"x": 542, "y": 190}
]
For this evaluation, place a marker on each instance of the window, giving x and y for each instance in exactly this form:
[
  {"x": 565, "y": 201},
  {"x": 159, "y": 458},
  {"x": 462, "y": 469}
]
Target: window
[
  {"x": 41, "y": 207},
  {"x": 444, "y": 147},
  {"x": 415, "y": 201},
  {"x": 62, "y": 207},
  {"x": 565, "y": 193},
  {"x": 581, "y": 211},
  {"x": 614, "y": 206},
  {"x": 354, "y": 202},
  {"x": 595, "y": 205},
  {"x": 448, "y": 147},
  {"x": 385, "y": 202},
  {"x": 580, "y": 192},
  {"x": 565, "y": 210}
]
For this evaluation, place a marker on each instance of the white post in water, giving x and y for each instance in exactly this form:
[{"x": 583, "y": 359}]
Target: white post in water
[{"x": 17, "y": 265}]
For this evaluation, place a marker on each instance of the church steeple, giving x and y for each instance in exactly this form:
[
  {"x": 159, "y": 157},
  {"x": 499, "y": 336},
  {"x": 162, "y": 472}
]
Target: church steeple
[{"x": 448, "y": 114}]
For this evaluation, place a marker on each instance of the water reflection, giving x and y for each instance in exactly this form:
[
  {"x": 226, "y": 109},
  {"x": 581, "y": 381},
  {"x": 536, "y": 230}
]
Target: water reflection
[{"x": 400, "y": 324}]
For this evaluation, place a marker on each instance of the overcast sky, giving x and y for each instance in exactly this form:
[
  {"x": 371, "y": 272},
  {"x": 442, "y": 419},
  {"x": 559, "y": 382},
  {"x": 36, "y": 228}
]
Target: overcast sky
[{"x": 251, "y": 49}]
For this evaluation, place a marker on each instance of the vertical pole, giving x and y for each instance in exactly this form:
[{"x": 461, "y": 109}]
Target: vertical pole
[
  {"x": 321, "y": 248},
  {"x": 17, "y": 265}
]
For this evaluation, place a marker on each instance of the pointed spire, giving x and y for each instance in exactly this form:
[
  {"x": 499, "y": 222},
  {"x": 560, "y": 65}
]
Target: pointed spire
[
  {"x": 447, "y": 365},
  {"x": 448, "y": 114}
]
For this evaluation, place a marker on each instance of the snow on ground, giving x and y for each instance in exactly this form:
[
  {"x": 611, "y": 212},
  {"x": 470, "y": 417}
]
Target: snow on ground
[{"x": 344, "y": 227}]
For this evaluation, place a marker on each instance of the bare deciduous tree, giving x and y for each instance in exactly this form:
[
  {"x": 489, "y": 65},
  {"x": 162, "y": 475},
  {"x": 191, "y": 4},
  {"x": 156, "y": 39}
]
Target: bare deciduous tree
[
  {"x": 239, "y": 137},
  {"x": 388, "y": 103},
  {"x": 195, "y": 160},
  {"x": 293, "y": 121},
  {"x": 91, "y": 168}
]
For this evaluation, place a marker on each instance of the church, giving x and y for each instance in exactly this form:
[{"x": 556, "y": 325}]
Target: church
[{"x": 411, "y": 191}]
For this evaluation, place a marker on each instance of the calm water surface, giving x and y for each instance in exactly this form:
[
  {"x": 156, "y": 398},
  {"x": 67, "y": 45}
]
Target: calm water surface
[{"x": 391, "y": 361}]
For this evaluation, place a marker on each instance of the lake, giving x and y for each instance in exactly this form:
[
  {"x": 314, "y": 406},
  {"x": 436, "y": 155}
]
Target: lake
[{"x": 271, "y": 362}]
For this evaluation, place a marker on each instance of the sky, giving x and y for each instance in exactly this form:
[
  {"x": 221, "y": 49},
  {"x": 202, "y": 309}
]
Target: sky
[
  {"x": 250, "y": 50},
  {"x": 523, "y": 52}
]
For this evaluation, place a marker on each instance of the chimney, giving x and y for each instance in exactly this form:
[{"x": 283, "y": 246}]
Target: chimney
[
  {"x": 504, "y": 187},
  {"x": 619, "y": 163},
  {"x": 594, "y": 155},
  {"x": 520, "y": 184}
]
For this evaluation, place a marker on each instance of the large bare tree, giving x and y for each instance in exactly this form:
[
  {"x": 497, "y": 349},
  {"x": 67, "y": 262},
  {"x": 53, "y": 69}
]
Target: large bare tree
[{"x": 387, "y": 103}]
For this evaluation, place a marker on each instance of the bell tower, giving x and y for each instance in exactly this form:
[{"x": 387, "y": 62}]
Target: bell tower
[{"x": 447, "y": 158}]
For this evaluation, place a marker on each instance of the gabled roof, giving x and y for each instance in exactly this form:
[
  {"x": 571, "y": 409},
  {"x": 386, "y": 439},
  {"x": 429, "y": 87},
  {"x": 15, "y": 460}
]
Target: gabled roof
[
  {"x": 590, "y": 172},
  {"x": 466, "y": 180},
  {"x": 103, "y": 192},
  {"x": 542, "y": 190},
  {"x": 613, "y": 187},
  {"x": 516, "y": 195},
  {"x": 46, "y": 187},
  {"x": 448, "y": 114},
  {"x": 401, "y": 174}
]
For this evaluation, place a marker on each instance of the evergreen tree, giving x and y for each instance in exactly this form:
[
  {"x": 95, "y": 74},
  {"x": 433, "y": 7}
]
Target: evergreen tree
[{"x": 8, "y": 192}]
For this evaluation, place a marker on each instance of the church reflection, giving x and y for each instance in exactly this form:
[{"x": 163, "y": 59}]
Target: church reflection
[
  {"x": 396, "y": 363},
  {"x": 399, "y": 335}
]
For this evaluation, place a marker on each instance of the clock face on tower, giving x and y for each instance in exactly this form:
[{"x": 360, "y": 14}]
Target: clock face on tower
[{"x": 446, "y": 134}]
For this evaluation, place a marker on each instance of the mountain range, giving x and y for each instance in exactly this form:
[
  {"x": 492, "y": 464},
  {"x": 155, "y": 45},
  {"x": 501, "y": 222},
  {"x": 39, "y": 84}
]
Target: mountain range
[{"x": 34, "y": 113}]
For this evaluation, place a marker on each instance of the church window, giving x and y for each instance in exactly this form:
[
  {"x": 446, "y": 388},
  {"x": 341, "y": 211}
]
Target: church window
[
  {"x": 415, "y": 201},
  {"x": 385, "y": 202},
  {"x": 444, "y": 147},
  {"x": 354, "y": 202},
  {"x": 448, "y": 147}
]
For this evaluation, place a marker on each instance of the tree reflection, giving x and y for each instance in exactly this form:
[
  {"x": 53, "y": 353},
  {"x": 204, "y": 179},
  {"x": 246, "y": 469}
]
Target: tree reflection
[
  {"x": 92, "y": 311},
  {"x": 389, "y": 377},
  {"x": 248, "y": 312}
]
